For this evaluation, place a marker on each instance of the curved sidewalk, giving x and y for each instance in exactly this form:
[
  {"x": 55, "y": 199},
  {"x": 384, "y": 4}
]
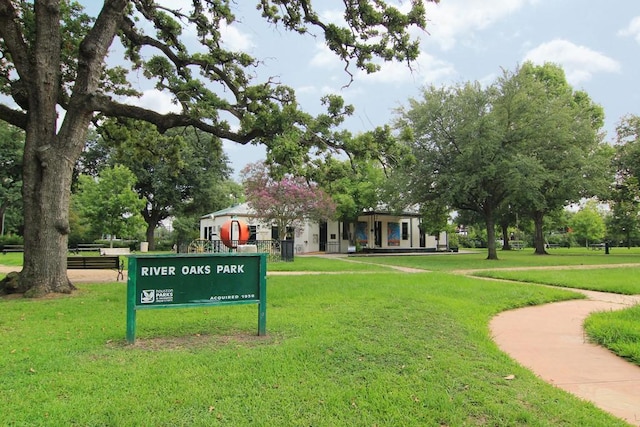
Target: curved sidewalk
[{"x": 549, "y": 340}]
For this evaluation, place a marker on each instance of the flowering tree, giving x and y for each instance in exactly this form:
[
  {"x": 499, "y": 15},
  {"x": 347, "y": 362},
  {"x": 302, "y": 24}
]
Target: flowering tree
[{"x": 286, "y": 202}]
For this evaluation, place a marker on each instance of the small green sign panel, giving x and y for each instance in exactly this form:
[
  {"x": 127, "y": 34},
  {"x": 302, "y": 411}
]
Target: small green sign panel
[{"x": 162, "y": 281}]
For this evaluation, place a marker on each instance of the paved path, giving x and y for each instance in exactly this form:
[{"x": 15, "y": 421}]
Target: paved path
[{"x": 549, "y": 340}]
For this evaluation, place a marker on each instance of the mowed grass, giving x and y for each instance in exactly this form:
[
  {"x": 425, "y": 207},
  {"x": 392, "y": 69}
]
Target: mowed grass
[
  {"x": 617, "y": 331},
  {"x": 342, "y": 349},
  {"x": 508, "y": 259},
  {"x": 620, "y": 280},
  {"x": 385, "y": 348},
  {"x": 300, "y": 263}
]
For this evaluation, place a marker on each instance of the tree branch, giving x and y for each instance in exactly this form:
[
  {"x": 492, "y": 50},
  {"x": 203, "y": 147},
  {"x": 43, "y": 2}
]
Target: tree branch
[
  {"x": 15, "y": 117},
  {"x": 163, "y": 122},
  {"x": 11, "y": 33}
]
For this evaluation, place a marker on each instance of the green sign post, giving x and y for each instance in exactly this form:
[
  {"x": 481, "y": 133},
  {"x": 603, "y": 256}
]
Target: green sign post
[{"x": 165, "y": 281}]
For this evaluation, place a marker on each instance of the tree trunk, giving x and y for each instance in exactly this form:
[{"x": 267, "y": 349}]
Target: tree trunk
[
  {"x": 150, "y": 235},
  {"x": 46, "y": 193},
  {"x": 51, "y": 151},
  {"x": 538, "y": 237},
  {"x": 492, "y": 253},
  {"x": 505, "y": 237}
]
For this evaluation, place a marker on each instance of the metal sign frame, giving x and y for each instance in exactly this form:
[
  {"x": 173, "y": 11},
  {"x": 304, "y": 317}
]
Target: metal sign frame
[{"x": 189, "y": 280}]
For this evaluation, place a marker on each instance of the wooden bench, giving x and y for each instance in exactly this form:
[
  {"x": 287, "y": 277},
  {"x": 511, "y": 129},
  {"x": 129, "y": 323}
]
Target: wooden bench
[
  {"x": 12, "y": 248},
  {"x": 83, "y": 247},
  {"x": 115, "y": 251},
  {"x": 96, "y": 263}
]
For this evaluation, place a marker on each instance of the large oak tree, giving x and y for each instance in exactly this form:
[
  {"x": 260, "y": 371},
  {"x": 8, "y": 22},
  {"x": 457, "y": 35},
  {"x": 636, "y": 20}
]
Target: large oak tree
[
  {"x": 54, "y": 67},
  {"x": 461, "y": 152},
  {"x": 560, "y": 157}
]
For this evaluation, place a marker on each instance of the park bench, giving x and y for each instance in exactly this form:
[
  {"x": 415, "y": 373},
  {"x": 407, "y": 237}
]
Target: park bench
[
  {"x": 596, "y": 246},
  {"x": 86, "y": 247},
  {"x": 115, "y": 251},
  {"x": 12, "y": 248},
  {"x": 76, "y": 262},
  {"x": 517, "y": 244}
]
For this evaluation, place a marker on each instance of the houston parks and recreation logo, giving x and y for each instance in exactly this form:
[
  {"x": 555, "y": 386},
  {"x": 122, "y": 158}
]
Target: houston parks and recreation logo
[{"x": 150, "y": 296}]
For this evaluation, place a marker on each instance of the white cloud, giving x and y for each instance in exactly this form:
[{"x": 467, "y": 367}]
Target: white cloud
[
  {"x": 579, "y": 62},
  {"x": 325, "y": 58},
  {"x": 155, "y": 100},
  {"x": 450, "y": 20},
  {"x": 632, "y": 30},
  {"x": 234, "y": 39},
  {"x": 427, "y": 69}
]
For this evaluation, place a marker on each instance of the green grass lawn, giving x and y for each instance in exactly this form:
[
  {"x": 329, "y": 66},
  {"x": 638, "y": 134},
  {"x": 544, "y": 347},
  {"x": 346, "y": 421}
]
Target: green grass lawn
[
  {"x": 618, "y": 331},
  {"x": 13, "y": 259},
  {"x": 621, "y": 280},
  {"x": 346, "y": 349},
  {"x": 357, "y": 348},
  {"x": 508, "y": 259}
]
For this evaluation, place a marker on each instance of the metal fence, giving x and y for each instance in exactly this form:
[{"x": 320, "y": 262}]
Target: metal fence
[{"x": 276, "y": 250}]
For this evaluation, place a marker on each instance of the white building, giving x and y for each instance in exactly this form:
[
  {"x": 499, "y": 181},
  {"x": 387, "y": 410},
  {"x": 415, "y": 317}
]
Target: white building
[{"x": 375, "y": 231}]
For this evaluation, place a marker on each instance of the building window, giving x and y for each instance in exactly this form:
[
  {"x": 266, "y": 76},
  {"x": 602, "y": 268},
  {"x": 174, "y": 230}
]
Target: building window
[{"x": 405, "y": 231}]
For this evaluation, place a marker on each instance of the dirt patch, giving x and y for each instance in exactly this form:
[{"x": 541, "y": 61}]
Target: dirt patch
[
  {"x": 80, "y": 276},
  {"x": 195, "y": 341}
]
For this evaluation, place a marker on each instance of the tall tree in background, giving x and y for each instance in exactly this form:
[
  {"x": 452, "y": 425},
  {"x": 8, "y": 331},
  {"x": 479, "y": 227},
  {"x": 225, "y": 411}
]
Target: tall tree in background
[
  {"x": 286, "y": 202},
  {"x": 178, "y": 173},
  {"x": 588, "y": 225},
  {"x": 461, "y": 157},
  {"x": 109, "y": 203},
  {"x": 54, "y": 60},
  {"x": 355, "y": 183},
  {"x": 625, "y": 194},
  {"x": 11, "y": 152},
  {"x": 560, "y": 157},
  {"x": 354, "y": 187}
]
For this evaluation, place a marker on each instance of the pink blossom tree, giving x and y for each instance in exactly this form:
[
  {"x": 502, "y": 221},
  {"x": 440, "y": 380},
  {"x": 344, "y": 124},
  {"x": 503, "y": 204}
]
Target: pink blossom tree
[{"x": 286, "y": 202}]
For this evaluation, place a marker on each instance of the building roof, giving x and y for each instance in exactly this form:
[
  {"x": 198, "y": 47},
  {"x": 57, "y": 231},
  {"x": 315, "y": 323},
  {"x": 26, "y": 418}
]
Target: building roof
[
  {"x": 237, "y": 210},
  {"x": 243, "y": 210}
]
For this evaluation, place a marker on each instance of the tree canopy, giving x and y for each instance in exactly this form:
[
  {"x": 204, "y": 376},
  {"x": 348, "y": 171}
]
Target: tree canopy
[
  {"x": 527, "y": 143},
  {"x": 110, "y": 204},
  {"x": 461, "y": 155},
  {"x": 625, "y": 192},
  {"x": 11, "y": 152},
  {"x": 56, "y": 58},
  {"x": 180, "y": 172},
  {"x": 560, "y": 157}
]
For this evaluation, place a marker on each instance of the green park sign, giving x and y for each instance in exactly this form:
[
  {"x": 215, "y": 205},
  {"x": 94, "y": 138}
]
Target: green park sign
[{"x": 186, "y": 280}]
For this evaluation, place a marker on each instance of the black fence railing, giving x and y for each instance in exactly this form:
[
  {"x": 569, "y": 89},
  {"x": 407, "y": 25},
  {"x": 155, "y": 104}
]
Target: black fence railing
[{"x": 276, "y": 250}]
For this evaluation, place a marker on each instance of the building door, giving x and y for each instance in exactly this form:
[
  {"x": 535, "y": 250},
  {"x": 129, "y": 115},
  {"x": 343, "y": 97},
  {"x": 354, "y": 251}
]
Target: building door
[
  {"x": 378, "y": 234},
  {"x": 323, "y": 237}
]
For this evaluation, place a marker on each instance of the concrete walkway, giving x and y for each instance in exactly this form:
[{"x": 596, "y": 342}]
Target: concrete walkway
[{"x": 549, "y": 340}]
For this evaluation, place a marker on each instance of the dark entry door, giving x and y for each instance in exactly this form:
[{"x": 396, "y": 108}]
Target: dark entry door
[
  {"x": 323, "y": 237},
  {"x": 378, "y": 233}
]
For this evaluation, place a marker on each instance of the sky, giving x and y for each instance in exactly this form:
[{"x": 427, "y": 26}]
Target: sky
[{"x": 596, "y": 43}]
